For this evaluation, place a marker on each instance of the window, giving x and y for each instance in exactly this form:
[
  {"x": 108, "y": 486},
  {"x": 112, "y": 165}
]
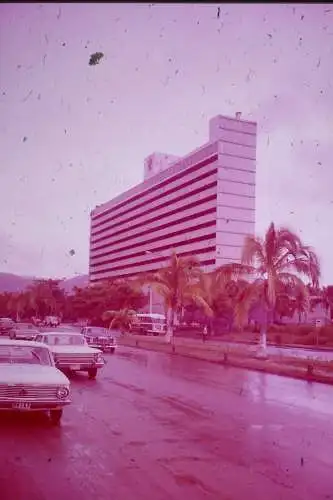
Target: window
[{"x": 25, "y": 355}]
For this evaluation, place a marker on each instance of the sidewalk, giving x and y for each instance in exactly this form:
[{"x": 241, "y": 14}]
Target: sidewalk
[{"x": 242, "y": 356}]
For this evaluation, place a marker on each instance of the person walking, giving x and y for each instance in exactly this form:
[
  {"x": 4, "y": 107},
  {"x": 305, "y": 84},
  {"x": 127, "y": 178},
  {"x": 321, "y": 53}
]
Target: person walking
[{"x": 204, "y": 334}]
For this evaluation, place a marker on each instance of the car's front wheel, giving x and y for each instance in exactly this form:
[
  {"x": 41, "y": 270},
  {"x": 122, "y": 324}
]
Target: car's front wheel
[
  {"x": 92, "y": 372},
  {"x": 55, "y": 416}
]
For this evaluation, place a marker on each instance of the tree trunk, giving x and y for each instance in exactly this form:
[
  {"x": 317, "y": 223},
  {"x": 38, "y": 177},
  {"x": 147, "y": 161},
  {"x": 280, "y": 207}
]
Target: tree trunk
[
  {"x": 212, "y": 327},
  {"x": 170, "y": 328},
  {"x": 263, "y": 337},
  {"x": 166, "y": 318}
]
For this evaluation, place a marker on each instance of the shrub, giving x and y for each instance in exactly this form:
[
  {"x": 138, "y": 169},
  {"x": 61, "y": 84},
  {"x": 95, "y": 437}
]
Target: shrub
[
  {"x": 326, "y": 331},
  {"x": 278, "y": 338},
  {"x": 309, "y": 339},
  {"x": 304, "y": 329},
  {"x": 276, "y": 328}
]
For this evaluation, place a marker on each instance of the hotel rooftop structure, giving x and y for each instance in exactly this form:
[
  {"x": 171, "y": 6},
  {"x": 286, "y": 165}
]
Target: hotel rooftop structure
[{"x": 202, "y": 204}]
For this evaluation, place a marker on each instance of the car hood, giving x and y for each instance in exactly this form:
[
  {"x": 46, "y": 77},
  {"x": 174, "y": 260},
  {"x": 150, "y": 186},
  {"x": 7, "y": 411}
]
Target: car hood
[
  {"x": 15, "y": 373},
  {"x": 73, "y": 349},
  {"x": 26, "y": 331}
]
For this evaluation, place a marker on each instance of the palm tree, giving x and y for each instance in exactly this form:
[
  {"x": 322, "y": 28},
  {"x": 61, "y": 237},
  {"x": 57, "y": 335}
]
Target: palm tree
[
  {"x": 173, "y": 283},
  {"x": 301, "y": 301},
  {"x": 327, "y": 300},
  {"x": 123, "y": 319},
  {"x": 218, "y": 292},
  {"x": 277, "y": 261}
]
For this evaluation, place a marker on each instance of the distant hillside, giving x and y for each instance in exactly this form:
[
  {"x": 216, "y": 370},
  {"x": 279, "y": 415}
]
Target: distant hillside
[
  {"x": 14, "y": 283},
  {"x": 80, "y": 281}
]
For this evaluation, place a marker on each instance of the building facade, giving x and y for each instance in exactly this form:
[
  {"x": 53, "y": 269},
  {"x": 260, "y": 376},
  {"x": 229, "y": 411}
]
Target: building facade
[{"x": 202, "y": 204}]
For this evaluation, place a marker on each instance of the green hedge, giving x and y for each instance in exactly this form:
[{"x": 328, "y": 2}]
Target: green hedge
[
  {"x": 301, "y": 334},
  {"x": 291, "y": 329}
]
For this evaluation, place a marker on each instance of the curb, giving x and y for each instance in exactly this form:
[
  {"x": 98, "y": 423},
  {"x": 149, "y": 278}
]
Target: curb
[{"x": 274, "y": 366}]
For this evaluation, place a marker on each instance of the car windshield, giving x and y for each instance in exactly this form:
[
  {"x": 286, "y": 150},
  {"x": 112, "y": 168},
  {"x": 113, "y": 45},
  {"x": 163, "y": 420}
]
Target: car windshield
[
  {"x": 25, "y": 355},
  {"x": 97, "y": 331},
  {"x": 64, "y": 339}
]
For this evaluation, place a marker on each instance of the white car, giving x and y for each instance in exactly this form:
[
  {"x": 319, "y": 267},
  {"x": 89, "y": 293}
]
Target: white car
[
  {"x": 71, "y": 352},
  {"x": 52, "y": 321},
  {"x": 30, "y": 381},
  {"x": 23, "y": 331}
]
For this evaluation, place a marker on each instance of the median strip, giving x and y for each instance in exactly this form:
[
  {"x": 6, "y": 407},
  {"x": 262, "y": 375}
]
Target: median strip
[{"x": 237, "y": 356}]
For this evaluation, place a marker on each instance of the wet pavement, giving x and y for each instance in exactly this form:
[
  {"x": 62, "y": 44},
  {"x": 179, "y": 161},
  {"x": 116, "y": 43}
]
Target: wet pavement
[{"x": 155, "y": 426}]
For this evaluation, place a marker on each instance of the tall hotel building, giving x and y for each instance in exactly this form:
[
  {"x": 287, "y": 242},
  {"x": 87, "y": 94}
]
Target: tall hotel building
[{"x": 202, "y": 204}]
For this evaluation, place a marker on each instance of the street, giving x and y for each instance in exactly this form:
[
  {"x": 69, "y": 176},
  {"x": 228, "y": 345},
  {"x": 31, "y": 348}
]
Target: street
[{"x": 156, "y": 426}]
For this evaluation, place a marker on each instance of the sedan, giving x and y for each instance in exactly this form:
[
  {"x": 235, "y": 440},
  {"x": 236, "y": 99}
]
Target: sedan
[
  {"x": 71, "y": 352},
  {"x": 100, "y": 338},
  {"x": 23, "y": 331},
  {"x": 6, "y": 325},
  {"x": 30, "y": 381}
]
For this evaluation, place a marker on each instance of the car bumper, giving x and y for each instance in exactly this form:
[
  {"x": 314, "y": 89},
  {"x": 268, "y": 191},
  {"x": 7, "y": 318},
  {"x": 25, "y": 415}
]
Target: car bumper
[
  {"x": 25, "y": 337},
  {"x": 32, "y": 405},
  {"x": 104, "y": 347},
  {"x": 78, "y": 366}
]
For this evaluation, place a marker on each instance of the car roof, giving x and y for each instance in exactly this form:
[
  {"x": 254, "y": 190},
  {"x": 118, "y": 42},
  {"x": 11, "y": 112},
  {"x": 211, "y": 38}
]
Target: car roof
[
  {"x": 60, "y": 332},
  {"x": 29, "y": 343},
  {"x": 151, "y": 315}
]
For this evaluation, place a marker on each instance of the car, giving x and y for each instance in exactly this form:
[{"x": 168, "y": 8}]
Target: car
[
  {"x": 36, "y": 321},
  {"x": 72, "y": 353},
  {"x": 100, "y": 338},
  {"x": 30, "y": 381},
  {"x": 23, "y": 331},
  {"x": 51, "y": 321},
  {"x": 69, "y": 329},
  {"x": 6, "y": 325}
]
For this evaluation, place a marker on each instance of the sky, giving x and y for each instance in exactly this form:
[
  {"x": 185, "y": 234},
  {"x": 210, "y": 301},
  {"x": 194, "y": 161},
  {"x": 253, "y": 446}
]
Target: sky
[{"x": 73, "y": 136}]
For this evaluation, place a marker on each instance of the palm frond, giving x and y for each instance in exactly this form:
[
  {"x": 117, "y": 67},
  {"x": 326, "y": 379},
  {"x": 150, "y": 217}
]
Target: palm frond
[
  {"x": 287, "y": 239},
  {"x": 248, "y": 296},
  {"x": 314, "y": 264},
  {"x": 253, "y": 251}
]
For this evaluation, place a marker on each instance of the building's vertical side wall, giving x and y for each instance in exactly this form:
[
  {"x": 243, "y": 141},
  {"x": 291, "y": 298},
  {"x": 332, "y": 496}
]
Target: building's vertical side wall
[
  {"x": 236, "y": 186},
  {"x": 90, "y": 249}
]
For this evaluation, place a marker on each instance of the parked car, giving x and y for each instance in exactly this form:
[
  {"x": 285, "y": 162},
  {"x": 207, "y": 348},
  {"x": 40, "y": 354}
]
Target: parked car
[
  {"x": 6, "y": 325},
  {"x": 71, "y": 352},
  {"x": 30, "y": 381},
  {"x": 52, "y": 321},
  {"x": 100, "y": 338},
  {"x": 23, "y": 331},
  {"x": 36, "y": 321}
]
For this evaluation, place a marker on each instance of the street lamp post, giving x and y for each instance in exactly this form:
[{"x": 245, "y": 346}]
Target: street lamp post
[{"x": 150, "y": 300}]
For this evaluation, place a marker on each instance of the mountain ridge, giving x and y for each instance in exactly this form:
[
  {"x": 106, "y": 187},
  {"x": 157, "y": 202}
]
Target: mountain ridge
[{"x": 11, "y": 283}]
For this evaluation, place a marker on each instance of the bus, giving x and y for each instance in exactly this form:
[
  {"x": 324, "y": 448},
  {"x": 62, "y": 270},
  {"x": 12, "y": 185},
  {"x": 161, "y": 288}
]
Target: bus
[{"x": 150, "y": 324}]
